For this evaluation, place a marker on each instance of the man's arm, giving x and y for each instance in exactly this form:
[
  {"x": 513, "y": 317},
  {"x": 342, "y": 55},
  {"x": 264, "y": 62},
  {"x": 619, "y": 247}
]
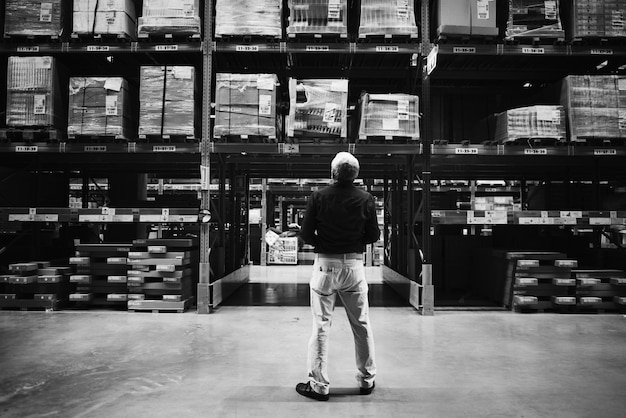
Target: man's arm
[
  {"x": 372, "y": 232},
  {"x": 308, "y": 223}
]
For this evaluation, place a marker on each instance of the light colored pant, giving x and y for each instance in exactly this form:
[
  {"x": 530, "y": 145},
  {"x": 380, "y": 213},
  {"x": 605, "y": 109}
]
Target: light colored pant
[{"x": 332, "y": 276}]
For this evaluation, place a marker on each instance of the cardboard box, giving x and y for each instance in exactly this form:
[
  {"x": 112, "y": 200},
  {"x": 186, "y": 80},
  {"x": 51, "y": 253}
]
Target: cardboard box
[
  {"x": 384, "y": 17},
  {"x": 173, "y": 17},
  {"x": 542, "y": 121},
  {"x": 389, "y": 115},
  {"x": 585, "y": 18},
  {"x": 318, "y": 17},
  {"x": 110, "y": 17},
  {"x": 248, "y": 17},
  {"x": 483, "y": 17},
  {"x": 453, "y": 17},
  {"x": 33, "y": 17}
]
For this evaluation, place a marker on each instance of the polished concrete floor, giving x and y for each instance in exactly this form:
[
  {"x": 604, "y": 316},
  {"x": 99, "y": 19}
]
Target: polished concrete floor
[{"x": 244, "y": 361}]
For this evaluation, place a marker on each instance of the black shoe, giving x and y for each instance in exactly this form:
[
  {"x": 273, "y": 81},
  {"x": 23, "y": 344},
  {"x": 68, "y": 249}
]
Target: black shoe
[
  {"x": 367, "y": 391},
  {"x": 305, "y": 389}
]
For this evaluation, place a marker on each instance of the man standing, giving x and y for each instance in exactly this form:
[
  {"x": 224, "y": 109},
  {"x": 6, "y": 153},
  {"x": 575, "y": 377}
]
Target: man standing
[{"x": 339, "y": 221}]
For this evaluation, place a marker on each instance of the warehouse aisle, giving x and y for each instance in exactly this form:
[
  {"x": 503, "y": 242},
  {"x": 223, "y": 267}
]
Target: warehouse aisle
[{"x": 245, "y": 362}]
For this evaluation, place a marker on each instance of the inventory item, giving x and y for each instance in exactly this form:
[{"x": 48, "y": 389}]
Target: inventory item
[
  {"x": 389, "y": 115},
  {"x": 33, "y": 18},
  {"x": 166, "y": 101},
  {"x": 531, "y": 18},
  {"x": 170, "y": 17},
  {"x": 384, "y": 17},
  {"x": 466, "y": 17},
  {"x": 317, "y": 17},
  {"x": 99, "y": 106},
  {"x": 586, "y": 19},
  {"x": 248, "y": 17},
  {"x": 110, "y": 17},
  {"x": 317, "y": 108},
  {"x": 245, "y": 105},
  {"x": 532, "y": 122}
]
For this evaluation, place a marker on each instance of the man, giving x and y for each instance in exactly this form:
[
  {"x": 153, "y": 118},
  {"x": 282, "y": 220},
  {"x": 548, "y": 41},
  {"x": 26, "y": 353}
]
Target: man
[{"x": 339, "y": 221}]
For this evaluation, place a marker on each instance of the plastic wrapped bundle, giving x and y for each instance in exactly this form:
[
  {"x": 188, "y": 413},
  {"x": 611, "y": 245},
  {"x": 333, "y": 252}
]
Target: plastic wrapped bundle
[
  {"x": 382, "y": 17},
  {"x": 166, "y": 101},
  {"x": 531, "y": 18},
  {"x": 317, "y": 107},
  {"x": 33, "y": 17},
  {"x": 389, "y": 115},
  {"x": 533, "y": 122},
  {"x": 99, "y": 106},
  {"x": 248, "y": 17},
  {"x": 170, "y": 17},
  {"x": 32, "y": 92},
  {"x": 245, "y": 104},
  {"x": 110, "y": 17},
  {"x": 318, "y": 17}
]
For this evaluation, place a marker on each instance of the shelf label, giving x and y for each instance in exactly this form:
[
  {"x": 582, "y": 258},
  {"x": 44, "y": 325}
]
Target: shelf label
[
  {"x": 464, "y": 50},
  {"x": 385, "y": 48},
  {"x": 95, "y": 148},
  {"x": 28, "y": 49},
  {"x": 536, "y": 151},
  {"x": 150, "y": 218},
  {"x": 431, "y": 61},
  {"x": 604, "y": 152},
  {"x": 317, "y": 48},
  {"x": 164, "y": 148},
  {"x": 471, "y": 151},
  {"x": 98, "y": 48},
  {"x": 533, "y": 51},
  {"x": 95, "y": 218},
  {"x": 166, "y": 48},
  {"x": 22, "y": 148},
  {"x": 247, "y": 48},
  {"x": 20, "y": 217},
  {"x": 436, "y": 214},
  {"x": 492, "y": 217},
  {"x": 536, "y": 221},
  {"x": 290, "y": 148},
  {"x": 599, "y": 221},
  {"x": 49, "y": 217},
  {"x": 122, "y": 218},
  {"x": 601, "y": 52}
]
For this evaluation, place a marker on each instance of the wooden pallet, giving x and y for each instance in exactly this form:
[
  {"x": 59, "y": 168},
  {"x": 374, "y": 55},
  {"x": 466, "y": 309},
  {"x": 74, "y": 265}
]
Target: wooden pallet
[
  {"x": 388, "y": 38},
  {"x": 31, "y": 304},
  {"x": 535, "y": 40},
  {"x": 168, "y": 138},
  {"x": 32, "y": 38},
  {"x": 101, "y": 37},
  {"x": 169, "y": 37},
  {"x": 251, "y": 139},
  {"x": 388, "y": 139},
  {"x": 157, "y": 306},
  {"x": 535, "y": 141},
  {"x": 29, "y": 135},
  {"x": 97, "y": 138}
]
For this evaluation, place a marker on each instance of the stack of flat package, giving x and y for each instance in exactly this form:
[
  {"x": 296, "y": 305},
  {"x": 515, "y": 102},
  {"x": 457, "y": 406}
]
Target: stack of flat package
[
  {"x": 467, "y": 17},
  {"x": 166, "y": 100},
  {"x": 99, "y": 106},
  {"x": 317, "y": 108},
  {"x": 389, "y": 115},
  {"x": 593, "y": 106},
  {"x": 248, "y": 17},
  {"x": 33, "y": 17},
  {"x": 541, "y": 121},
  {"x": 382, "y": 17},
  {"x": 170, "y": 17},
  {"x": 597, "y": 18},
  {"x": 318, "y": 17},
  {"x": 32, "y": 92},
  {"x": 531, "y": 18},
  {"x": 109, "y": 17},
  {"x": 245, "y": 104}
]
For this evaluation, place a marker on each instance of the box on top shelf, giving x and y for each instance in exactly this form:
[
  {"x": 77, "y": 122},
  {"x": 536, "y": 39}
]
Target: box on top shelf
[
  {"x": 35, "y": 18},
  {"x": 467, "y": 17},
  {"x": 389, "y": 115},
  {"x": 531, "y": 18},
  {"x": 166, "y": 100},
  {"x": 585, "y": 18},
  {"x": 318, "y": 17},
  {"x": 318, "y": 107},
  {"x": 170, "y": 17},
  {"x": 99, "y": 106},
  {"x": 245, "y": 104},
  {"x": 384, "y": 17},
  {"x": 248, "y": 17},
  {"x": 110, "y": 17},
  {"x": 541, "y": 121}
]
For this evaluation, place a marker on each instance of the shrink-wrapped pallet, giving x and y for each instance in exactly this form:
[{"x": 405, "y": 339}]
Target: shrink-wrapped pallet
[
  {"x": 532, "y": 122},
  {"x": 318, "y": 17},
  {"x": 245, "y": 104},
  {"x": 106, "y": 17},
  {"x": 532, "y": 18},
  {"x": 33, "y": 17},
  {"x": 317, "y": 108},
  {"x": 99, "y": 106},
  {"x": 596, "y": 19},
  {"x": 384, "y": 17},
  {"x": 170, "y": 17},
  {"x": 389, "y": 115},
  {"x": 467, "y": 17},
  {"x": 248, "y": 17},
  {"x": 32, "y": 92},
  {"x": 166, "y": 101}
]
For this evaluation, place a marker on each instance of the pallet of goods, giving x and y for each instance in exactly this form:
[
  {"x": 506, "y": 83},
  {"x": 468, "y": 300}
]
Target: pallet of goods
[
  {"x": 317, "y": 110},
  {"x": 33, "y": 18},
  {"x": 35, "y": 285},
  {"x": 110, "y": 18},
  {"x": 388, "y": 117},
  {"x": 167, "y": 102},
  {"x": 594, "y": 20},
  {"x": 541, "y": 122},
  {"x": 99, "y": 107},
  {"x": 161, "y": 275},
  {"x": 248, "y": 18},
  {"x": 392, "y": 19},
  {"x": 166, "y": 17},
  {"x": 534, "y": 20},
  {"x": 283, "y": 251},
  {"x": 317, "y": 18},
  {"x": 474, "y": 18},
  {"x": 245, "y": 106},
  {"x": 600, "y": 290},
  {"x": 100, "y": 275}
]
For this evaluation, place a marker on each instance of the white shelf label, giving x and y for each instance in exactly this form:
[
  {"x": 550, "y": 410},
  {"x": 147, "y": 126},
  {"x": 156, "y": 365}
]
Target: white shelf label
[
  {"x": 27, "y": 49},
  {"x": 604, "y": 152},
  {"x": 122, "y": 218},
  {"x": 536, "y": 151},
  {"x": 95, "y": 148},
  {"x": 98, "y": 48},
  {"x": 164, "y": 148},
  {"x": 95, "y": 218},
  {"x": 317, "y": 48},
  {"x": 166, "y": 48},
  {"x": 533, "y": 51},
  {"x": 247, "y": 48},
  {"x": 599, "y": 221},
  {"x": 23, "y": 148},
  {"x": 387, "y": 49},
  {"x": 601, "y": 52},
  {"x": 466, "y": 151},
  {"x": 464, "y": 50}
]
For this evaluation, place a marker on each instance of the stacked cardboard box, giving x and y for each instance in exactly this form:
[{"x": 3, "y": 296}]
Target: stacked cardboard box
[
  {"x": 467, "y": 17},
  {"x": 34, "y": 285},
  {"x": 245, "y": 104},
  {"x": 166, "y": 100},
  {"x": 33, "y": 94},
  {"x": 248, "y": 17},
  {"x": 531, "y": 18},
  {"x": 389, "y": 115},
  {"x": 170, "y": 17},
  {"x": 99, "y": 106},
  {"x": 318, "y": 17},
  {"x": 33, "y": 17},
  {"x": 318, "y": 108},
  {"x": 596, "y": 18},
  {"x": 382, "y": 17},
  {"x": 284, "y": 251},
  {"x": 110, "y": 17},
  {"x": 542, "y": 121}
]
